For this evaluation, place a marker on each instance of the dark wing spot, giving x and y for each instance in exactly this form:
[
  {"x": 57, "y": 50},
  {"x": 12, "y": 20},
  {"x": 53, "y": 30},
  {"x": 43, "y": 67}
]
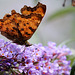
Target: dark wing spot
[
  {"x": 0, "y": 27},
  {"x": 12, "y": 30},
  {"x": 27, "y": 23},
  {"x": 7, "y": 29},
  {"x": 33, "y": 30},
  {"x": 8, "y": 15},
  {"x": 17, "y": 24},
  {"x": 27, "y": 33},
  {"x": 13, "y": 27},
  {"x": 24, "y": 24},
  {"x": 22, "y": 29},
  {"x": 1, "y": 20}
]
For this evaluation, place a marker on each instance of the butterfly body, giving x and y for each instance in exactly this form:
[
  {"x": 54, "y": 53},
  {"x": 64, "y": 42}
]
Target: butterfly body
[{"x": 20, "y": 27}]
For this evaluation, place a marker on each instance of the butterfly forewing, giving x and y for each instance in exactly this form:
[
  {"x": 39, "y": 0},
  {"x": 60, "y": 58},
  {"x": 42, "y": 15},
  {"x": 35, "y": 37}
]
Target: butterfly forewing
[
  {"x": 28, "y": 27},
  {"x": 20, "y": 27},
  {"x": 38, "y": 9}
]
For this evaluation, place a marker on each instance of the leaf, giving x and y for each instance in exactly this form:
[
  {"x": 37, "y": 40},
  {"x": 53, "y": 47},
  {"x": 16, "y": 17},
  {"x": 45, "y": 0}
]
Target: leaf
[
  {"x": 72, "y": 58},
  {"x": 61, "y": 12},
  {"x": 73, "y": 69}
]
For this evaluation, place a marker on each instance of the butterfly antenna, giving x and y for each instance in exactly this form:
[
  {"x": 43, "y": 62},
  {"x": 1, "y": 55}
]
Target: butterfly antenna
[{"x": 64, "y": 3}]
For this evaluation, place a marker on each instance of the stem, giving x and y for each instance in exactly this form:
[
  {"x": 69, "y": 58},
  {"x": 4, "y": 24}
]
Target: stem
[
  {"x": 66, "y": 42},
  {"x": 64, "y": 3}
]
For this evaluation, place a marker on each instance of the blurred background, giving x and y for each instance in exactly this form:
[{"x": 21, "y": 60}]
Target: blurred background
[{"x": 58, "y": 24}]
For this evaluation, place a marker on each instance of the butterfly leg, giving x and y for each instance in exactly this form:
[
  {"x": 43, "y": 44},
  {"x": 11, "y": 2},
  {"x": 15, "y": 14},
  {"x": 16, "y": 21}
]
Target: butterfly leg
[{"x": 27, "y": 43}]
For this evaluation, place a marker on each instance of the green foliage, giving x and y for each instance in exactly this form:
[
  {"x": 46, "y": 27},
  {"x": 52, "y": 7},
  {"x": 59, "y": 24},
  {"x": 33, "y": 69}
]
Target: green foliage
[
  {"x": 61, "y": 12},
  {"x": 72, "y": 58},
  {"x": 73, "y": 69}
]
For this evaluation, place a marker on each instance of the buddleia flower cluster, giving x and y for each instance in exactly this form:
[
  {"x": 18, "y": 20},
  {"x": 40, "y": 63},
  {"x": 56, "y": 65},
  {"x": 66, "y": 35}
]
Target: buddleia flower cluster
[{"x": 33, "y": 60}]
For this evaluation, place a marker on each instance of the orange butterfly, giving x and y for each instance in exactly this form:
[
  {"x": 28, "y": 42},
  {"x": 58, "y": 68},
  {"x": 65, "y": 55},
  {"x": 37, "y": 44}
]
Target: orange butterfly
[{"x": 20, "y": 27}]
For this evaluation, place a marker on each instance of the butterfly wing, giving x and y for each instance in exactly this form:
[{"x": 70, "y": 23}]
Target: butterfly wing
[
  {"x": 29, "y": 24},
  {"x": 8, "y": 27},
  {"x": 20, "y": 27},
  {"x": 38, "y": 9},
  {"x": 33, "y": 17}
]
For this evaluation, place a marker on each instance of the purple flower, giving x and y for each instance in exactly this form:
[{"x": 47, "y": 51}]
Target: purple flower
[{"x": 34, "y": 60}]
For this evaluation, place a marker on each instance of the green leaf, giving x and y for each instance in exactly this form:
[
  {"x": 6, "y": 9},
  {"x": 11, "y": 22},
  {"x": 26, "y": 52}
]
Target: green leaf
[
  {"x": 73, "y": 69},
  {"x": 61, "y": 12},
  {"x": 72, "y": 58}
]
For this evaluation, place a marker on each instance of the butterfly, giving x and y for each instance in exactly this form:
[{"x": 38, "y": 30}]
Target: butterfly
[
  {"x": 20, "y": 27},
  {"x": 73, "y": 2}
]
